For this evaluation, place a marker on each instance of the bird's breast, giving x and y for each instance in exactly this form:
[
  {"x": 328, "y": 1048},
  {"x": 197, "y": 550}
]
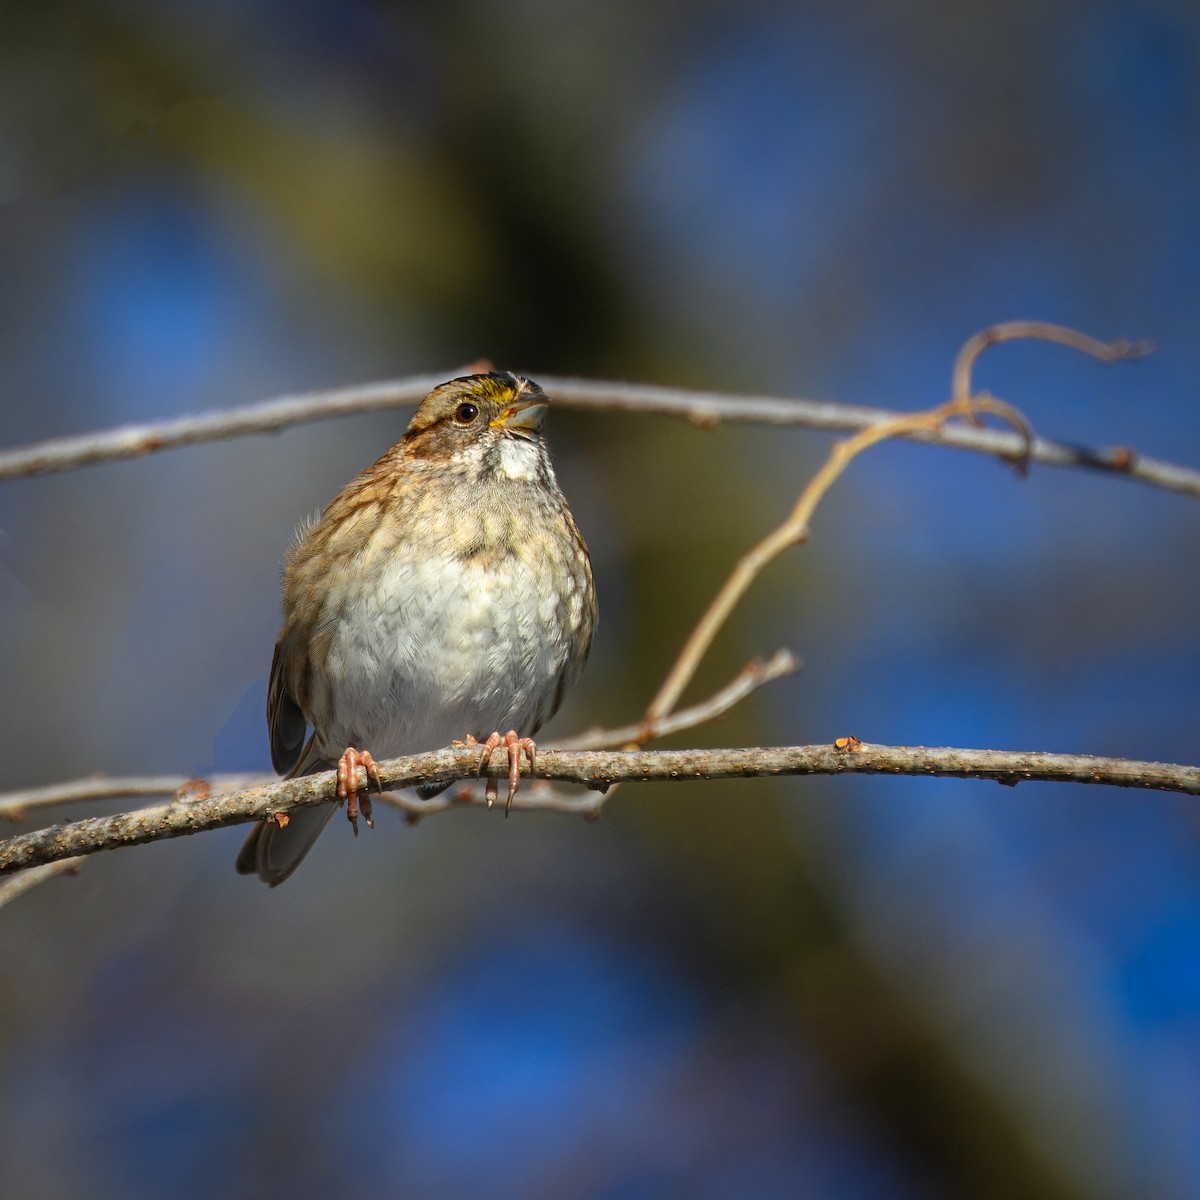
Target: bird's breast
[{"x": 426, "y": 648}]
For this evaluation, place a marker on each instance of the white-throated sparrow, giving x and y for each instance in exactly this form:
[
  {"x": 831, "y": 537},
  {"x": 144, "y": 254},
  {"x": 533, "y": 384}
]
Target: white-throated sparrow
[{"x": 445, "y": 593}]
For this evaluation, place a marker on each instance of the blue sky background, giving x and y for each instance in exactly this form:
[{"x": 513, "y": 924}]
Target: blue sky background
[{"x": 844, "y": 988}]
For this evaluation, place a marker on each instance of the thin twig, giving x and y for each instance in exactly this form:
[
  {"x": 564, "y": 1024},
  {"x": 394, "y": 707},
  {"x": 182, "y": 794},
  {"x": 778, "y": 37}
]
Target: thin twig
[
  {"x": 16, "y": 806},
  {"x": 10, "y": 889},
  {"x": 596, "y": 769},
  {"x": 752, "y": 676},
  {"x": 793, "y": 530},
  {"x": 1042, "y": 331}
]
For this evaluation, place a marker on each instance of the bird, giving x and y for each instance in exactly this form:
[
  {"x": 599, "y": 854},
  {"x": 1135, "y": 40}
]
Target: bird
[{"x": 445, "y": 594}]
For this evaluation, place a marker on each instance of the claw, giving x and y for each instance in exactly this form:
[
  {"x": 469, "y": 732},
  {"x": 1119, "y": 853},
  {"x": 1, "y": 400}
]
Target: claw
[
  {"x": 514, "y": 744},
  {"x": 347, "y": 789}
]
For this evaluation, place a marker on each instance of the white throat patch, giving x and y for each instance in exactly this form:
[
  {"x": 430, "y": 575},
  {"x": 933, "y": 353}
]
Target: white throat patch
[{"x": 518, "y": 458}]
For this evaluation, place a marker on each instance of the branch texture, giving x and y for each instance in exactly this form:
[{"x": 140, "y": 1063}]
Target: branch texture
[{"x": 596, "y": 770}]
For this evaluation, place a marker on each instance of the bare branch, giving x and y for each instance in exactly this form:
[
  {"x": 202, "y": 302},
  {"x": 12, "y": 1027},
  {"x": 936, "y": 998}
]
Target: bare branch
[
  {"x": 268, "y": 416},
  {"x": 598, "y": 770},
  {"x": 700, "y": 407},
  {"x": 711, "y": 408}
]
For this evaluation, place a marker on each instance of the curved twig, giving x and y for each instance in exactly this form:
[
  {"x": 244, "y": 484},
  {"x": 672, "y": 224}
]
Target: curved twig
[
  {"x": 1042, "y": 331},
  {"x": 795, "y": 529}
]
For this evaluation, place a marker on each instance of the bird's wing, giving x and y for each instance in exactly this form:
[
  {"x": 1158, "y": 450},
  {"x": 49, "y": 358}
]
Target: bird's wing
[
  {"x": 285, "y": 721},
  {"x": 273, "y": 851}
]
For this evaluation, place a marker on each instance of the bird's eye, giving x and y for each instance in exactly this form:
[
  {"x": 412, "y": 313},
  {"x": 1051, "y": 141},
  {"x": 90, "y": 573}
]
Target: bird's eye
[{"x": 465, "y": 413}]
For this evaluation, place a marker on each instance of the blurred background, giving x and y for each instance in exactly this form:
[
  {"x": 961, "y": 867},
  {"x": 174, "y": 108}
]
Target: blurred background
[{"x": 835, "y": 988}]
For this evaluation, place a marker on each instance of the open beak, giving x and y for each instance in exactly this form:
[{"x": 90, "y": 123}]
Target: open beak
[{"x": 523, "y": 418}]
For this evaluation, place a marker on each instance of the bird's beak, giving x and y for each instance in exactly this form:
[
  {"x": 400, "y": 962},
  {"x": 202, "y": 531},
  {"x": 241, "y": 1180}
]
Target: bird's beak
[{"x": 525, "y": 417}]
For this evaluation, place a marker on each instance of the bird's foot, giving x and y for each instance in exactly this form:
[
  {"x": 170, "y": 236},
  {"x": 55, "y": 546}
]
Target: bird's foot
[
  {"x": 347, "y": 789},
  {"x": 514, "y": 744}
]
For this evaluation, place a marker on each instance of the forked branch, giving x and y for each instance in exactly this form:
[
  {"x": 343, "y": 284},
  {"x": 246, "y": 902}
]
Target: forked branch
[{"x": 794, "y": 529}]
